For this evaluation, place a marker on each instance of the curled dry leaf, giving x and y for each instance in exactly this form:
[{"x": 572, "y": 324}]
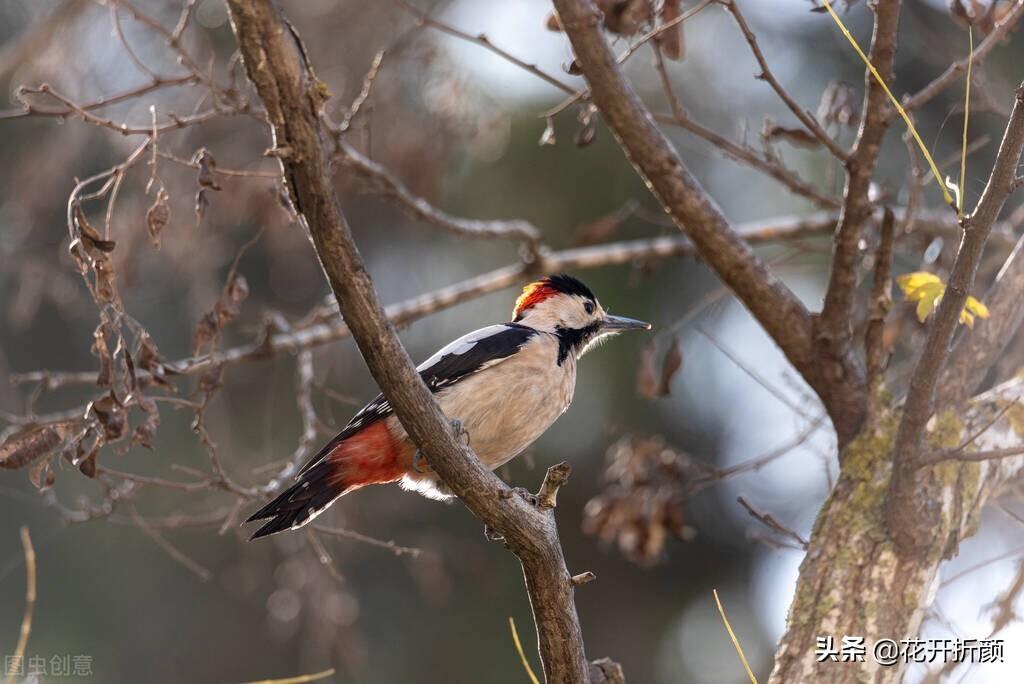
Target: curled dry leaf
[
  {"x": 111, "y": 415},
  {"x": 651, "y": 385},
  {"x": 839, "y": 105},
  {"x": 227, "y": 308},
  {"x": 671, "y": 40},
  {"x": 42, "y": 476},
  {"x": 89, "y": 249},
  {"x": 157, "y": 217},
  {"x": 102, "y": 352},
  {"x": 798, "y": 137},
  {"x": 28, "y": 445},
  {"x": 646, "y": 375},
  {"x": 669, "y": 367},
  {"x": 145, "y": 431},
  {"x": 205, "y": 179},
  {"x": 626, "y": 17},
  {"x": 548, "y": 136},
  {"x": 149, "y": 359}
]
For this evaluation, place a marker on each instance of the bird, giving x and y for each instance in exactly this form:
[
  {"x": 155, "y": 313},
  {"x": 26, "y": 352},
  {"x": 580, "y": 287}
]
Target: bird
[{"x": 501, "y": 386}]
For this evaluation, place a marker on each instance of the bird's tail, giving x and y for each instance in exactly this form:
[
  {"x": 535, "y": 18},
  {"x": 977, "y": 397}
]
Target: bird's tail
[{"x": 368, "y": 457}]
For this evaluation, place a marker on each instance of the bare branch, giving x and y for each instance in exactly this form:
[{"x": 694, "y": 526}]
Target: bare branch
[
  {"x": 834, "y": 329},
  {"x": 907, "y": 515},
  {"x": 881, "y": 302},
  {"x": 769, "y": 521},
  {"x": 805, "y": 117},
  {"x": 382, "y": 182},
  {"x": 958, "y": 67},
  {"x": 275, "y": 63},
  {"x": 774, "y": 306}
]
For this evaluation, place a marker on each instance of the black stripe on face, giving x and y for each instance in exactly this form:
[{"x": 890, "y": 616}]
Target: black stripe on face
[{"x": 571, "y": 340}]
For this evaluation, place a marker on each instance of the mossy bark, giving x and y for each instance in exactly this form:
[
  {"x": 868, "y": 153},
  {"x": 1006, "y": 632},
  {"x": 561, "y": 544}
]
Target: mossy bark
[{"x": 855, "y": 580}]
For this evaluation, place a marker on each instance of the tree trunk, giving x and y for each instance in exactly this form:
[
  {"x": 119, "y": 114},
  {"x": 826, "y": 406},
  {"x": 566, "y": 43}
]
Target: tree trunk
[{"x": 855, "y": 581}]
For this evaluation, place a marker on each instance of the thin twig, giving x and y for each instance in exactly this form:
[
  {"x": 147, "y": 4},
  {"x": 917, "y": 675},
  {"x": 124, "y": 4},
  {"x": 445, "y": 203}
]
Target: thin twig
[
  {"x": 772, "y": 523},
  {"x": 30, "y": 601}
]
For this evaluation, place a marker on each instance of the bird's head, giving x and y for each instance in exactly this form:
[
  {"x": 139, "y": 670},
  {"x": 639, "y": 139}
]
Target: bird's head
[{"x": 562, "y": 305}]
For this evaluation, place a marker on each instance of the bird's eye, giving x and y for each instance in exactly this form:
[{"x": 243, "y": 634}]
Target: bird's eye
[{"x": 588, "y": 307}]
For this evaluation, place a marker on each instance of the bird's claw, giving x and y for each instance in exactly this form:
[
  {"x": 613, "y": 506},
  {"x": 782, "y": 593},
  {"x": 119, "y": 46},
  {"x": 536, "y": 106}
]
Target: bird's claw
[
  {"x": 419, "y": 462},
  {"x": 460, "y": 431}
]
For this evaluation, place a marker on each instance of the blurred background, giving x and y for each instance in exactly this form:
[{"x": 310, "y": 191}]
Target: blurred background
[{"x": 460, "y": 127}]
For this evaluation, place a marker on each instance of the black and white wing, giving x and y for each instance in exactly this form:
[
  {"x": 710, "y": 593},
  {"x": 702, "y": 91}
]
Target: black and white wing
[{"x": 458, "y": 360}]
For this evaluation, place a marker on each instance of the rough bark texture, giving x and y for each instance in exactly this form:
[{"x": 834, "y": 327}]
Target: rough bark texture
[
  {"x": 292, "y": 95},
  {"x": 854, "y": 579}
]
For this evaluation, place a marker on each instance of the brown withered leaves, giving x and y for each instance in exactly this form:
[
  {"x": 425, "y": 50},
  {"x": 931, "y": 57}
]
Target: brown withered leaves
[
  {"x": 644, "y": 505},
  {"x": 205, "y": 179},
  {"x": 227, "y": 308},
  {"x": 649, "y": 383},
  {"x": 29, "y": 444},
  {"x": 157, "y": 216},
  {"x": 88, "y": 249},
  {"x": 671, "y": 39}
]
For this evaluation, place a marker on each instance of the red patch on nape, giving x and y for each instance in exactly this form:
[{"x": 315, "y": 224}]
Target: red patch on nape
[
  {"x": 533, "y": 294},
  {"x": 371, "y": 456}
]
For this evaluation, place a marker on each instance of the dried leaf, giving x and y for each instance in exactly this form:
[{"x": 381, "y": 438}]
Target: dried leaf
[
  {"x": 87, "y": 465},
  {"x": 100, "y": 350},
  {"x": 839, "y": 105},
  {"x": 28, "y": 445},
  {"x": 157, "y": 217},
  {"x": 90, "y": 236},
  {"x": 586, "y": 134},
  {"x": 111, "y": 416},
  {"x": 625, "y": 17},
  {"x": 548, "y": 136},
  {"x": 669, "y": 367},
  {"x": 646, "y": 375},
  {"x": 207, "y": 165},
  {"x": 671, "y": 40},
  {"x": 42, "y": 476},
  {"x": 798, "y": 137},
  {"x": 105, "y": 289},
  {"x": 145, "y": 432}
]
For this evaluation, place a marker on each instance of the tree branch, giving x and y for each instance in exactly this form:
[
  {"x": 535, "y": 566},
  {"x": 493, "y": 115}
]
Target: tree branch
[
  {"x": 958, "y": 67},
  {"x": 774, "y": 306},
  {"x": 275, "y": 63},
  {"x": 910, "y": 511}
]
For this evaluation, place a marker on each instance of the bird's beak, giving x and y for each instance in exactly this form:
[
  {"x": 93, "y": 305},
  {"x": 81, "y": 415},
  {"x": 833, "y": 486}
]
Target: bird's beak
[{"x": 618, "y": 323}]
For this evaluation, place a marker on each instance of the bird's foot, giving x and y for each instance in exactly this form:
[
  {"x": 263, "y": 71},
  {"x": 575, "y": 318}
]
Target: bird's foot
[
  {"x": 492, "y": 535},
  {"x": 459, "y": 430},
  {"x": 419, "y": 463}
]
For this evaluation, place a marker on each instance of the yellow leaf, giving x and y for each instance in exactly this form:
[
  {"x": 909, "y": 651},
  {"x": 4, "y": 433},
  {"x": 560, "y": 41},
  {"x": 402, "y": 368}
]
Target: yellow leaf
[
  {"x": 926, "y": 305},
  {"x": 976, "y": 307},
  {"x": 927, "y": 289},
  {"x": 911, "y": 283}
]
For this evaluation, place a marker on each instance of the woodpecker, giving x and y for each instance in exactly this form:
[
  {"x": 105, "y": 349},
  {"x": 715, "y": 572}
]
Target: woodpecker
[{"x": 501, "y": 386}]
